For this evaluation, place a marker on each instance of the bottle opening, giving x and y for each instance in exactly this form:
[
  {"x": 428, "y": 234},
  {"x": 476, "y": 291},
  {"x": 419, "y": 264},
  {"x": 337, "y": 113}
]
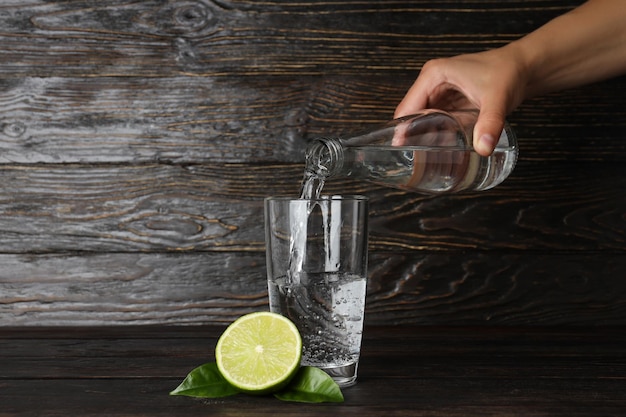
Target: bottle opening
[{"x": 324, "y": 157}]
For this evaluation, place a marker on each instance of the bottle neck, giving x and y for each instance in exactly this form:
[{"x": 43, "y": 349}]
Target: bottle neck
[{"x": 325, "y": 157}]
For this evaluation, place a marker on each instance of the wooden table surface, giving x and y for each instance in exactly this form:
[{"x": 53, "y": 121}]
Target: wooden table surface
[{"x": 404, "y": 371}]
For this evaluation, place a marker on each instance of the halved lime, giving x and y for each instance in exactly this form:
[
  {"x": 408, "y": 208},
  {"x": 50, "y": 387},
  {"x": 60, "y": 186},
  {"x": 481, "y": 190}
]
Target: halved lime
[{"x": 259, "y": 352}]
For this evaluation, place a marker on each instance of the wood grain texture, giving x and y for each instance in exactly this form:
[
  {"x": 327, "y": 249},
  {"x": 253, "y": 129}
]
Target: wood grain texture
[
  {"x": 138, "y": 140},
  {"x": 155, "y": 38},
  {"x": 255, "y": 119},
  {"x": 404, "y": 371},
  {"x": 410, "y": 287},
  {"x": 220, "y": 207}
]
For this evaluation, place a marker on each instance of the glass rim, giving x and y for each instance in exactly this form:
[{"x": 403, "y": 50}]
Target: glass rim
[{"x": 334, "y": 197}]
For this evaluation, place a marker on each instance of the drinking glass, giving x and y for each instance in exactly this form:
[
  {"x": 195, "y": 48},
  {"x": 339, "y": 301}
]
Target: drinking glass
[{"x": 317, "y": 276}]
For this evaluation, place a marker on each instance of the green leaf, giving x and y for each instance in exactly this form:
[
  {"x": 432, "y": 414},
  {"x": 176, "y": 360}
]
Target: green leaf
[
  {"x": 205, "y": 381},
  {"x": 311, "y": 385}
]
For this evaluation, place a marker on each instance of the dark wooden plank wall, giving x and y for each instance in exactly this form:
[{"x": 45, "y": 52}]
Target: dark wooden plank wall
[{"x": 138, "y": 140}]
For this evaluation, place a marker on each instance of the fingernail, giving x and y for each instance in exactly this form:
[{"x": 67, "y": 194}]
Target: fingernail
[{"x": 485, "y": 145}]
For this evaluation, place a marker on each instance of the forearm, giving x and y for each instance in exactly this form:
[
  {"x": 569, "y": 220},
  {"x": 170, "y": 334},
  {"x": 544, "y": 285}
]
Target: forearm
[{"x": 585, "y": 45}]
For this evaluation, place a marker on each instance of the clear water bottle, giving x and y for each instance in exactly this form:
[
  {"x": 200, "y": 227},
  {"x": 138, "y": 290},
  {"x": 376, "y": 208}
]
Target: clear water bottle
[{"x": 430, "y": 152}]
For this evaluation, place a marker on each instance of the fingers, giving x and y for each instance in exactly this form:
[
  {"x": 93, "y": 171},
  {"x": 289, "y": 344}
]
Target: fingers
[
  {"x": 418, "y": 97},
  {"x": 487, "y": 131},
  {"x": 414, "y": 100}
]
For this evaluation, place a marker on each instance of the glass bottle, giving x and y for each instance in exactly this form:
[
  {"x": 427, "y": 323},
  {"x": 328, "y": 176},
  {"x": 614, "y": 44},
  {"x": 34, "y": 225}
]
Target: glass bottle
[{"x": 430, "y": 152}]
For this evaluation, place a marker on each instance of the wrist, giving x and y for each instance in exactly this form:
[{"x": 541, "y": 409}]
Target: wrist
[{"x": 526, "y": 61}]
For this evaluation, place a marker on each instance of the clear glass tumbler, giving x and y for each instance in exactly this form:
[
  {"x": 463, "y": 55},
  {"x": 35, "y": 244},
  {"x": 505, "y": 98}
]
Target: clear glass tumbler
[{"x": 317, "y": 276}]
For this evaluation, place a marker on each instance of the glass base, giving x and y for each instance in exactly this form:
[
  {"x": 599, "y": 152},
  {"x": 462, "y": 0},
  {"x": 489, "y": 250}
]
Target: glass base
[{"x": 344, "y": 375}]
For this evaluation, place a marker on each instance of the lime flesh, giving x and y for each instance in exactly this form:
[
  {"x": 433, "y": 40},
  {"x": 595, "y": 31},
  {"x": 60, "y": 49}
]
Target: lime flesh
[{"x": 259, "y": 352}]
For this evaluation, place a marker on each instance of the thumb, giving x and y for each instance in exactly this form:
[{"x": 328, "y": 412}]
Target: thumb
[{"x": 487, "y": 131}]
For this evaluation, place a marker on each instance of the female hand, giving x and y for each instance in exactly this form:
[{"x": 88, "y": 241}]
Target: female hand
[
  {"x": 585, "y": 45},
  {"x": 492, "y": 82}
]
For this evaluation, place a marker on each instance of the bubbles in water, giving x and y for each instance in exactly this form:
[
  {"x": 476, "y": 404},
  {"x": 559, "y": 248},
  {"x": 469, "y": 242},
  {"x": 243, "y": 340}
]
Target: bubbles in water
[{"x": 331, "y": 328}]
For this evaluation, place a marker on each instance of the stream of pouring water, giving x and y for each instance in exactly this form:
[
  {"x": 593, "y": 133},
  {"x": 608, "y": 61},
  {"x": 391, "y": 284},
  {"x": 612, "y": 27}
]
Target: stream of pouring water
[{"x": 311, "y": 190}]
